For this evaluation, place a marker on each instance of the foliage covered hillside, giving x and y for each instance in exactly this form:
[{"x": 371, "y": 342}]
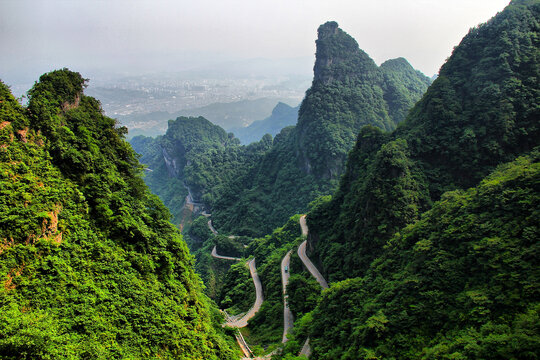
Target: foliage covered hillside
[
  {"x": 197, "y": 154},
  {"x": 276, "y": 179},
  {"x": 483, "y": 110},
  {"x": 348, "y": 92},
  {"x": 90, "y": 265},
  {"x": 460, "y": 283}
]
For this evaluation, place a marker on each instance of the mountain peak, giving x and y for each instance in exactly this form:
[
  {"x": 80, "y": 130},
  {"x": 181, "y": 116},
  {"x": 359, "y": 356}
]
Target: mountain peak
[
  {"x": 328, "y": 29},
  {"x": 397, "y": 63},
  {"x": 280, "y": 108},
  {"x": 338, "y": 57}
]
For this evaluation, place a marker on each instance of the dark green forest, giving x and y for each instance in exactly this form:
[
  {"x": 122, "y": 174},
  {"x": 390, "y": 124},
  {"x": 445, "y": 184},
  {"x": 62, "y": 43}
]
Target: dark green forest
[
  {"x": 430, "y": 241},
  {"x": 432, "y": 237},
  {"x": 195, "y": 154},
  {"x": 91, "y": 267},
  {"x": 460, "y": 283},
  {"x": 453, "y": 137}
]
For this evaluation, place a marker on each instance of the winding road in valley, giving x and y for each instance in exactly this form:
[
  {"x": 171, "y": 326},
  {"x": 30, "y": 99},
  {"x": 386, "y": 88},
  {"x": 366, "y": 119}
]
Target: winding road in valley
[
  {"x": 288, "y": 319},
  {"x": 243, "y": 321},
  {"x": 214, "y": 231},
  {"x": 215, "y": 254}
]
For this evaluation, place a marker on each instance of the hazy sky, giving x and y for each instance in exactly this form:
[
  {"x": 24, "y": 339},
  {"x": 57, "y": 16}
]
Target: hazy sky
[{"x": 145, "y": 35}]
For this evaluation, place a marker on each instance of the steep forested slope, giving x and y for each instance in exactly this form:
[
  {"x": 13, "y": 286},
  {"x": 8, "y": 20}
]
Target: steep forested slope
[
  {"x": 197, "y": 154},
  {"x": 90, "y": 265},
  {"x": 460, "y": 283},
  {"x": 481, "y": 111},
  {"x": 348, "y": 92}
]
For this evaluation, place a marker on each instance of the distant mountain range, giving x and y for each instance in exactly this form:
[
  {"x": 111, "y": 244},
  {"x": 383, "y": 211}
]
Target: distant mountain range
[
  {"x": 230, "y": 116},
  {"x": 282, "y": 116}
]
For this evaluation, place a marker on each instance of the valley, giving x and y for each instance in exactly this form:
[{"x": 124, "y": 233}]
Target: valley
[{"x": 241, "y": 320}]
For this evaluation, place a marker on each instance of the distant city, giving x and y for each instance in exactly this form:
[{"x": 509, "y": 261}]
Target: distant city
[
  {"x": 146, "y": 94},
  {"x": 232, "y": 100},
  {"x": 230, "y": 94}
]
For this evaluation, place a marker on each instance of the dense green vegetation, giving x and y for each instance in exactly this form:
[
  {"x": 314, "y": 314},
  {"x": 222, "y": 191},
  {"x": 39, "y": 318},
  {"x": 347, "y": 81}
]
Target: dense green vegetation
[
  {"x": 90, "y": 265},
  {"x": 430, "y": 241},
  {"x": 212, "y": 271},
  {"x": 266, "y": 327},
  {"x": 348, "y": 92},
  {"x": 434, "y": 228},
  {"x": 272, "y": 190},
  {"x": 482, "y": 111},
  {"x": 237, "y": 293},
  {"x": 401, "y": 87},
  {"x": 198, "y": 155},
  {"x": 228, "y": 283},
  {"x": 231, "y": 286},
  {"x": 460, "y": 283},
  {"x": 276, "y": 179}
]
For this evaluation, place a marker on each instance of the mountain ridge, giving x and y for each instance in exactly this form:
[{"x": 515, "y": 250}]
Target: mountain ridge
[
  {"x": 346, "y": 94},
  {"x": 282, "y": 116}
]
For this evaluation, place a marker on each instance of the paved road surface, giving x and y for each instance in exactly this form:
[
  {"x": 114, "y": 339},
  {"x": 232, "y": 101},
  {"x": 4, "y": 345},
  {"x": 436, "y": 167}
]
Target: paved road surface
[
  {"x": 309, "y": 265},
  {"x": 215, "y": 254},
  {"x": 214, "y": 231},
  {"x": 288, "y": 318},
  {"x": 242, "y": 322}
]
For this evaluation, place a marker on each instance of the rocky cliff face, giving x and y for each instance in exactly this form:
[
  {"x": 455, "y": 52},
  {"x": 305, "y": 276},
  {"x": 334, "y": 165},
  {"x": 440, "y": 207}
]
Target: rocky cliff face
[
  {"x": 170, "y": 163},
  {"x": 348, "y": 92},
  {"x": 338, "y": 57}
]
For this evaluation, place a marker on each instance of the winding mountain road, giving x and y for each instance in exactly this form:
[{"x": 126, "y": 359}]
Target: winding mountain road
[
  {"x": 288, "y": 318},
  {"x": 306, "y": 349},
  {"x": 214, "y": 231},
  {"x": 302, "y": 253},
  {"x": 215, "y": 254},
  {"x": 243, "y": 321}
]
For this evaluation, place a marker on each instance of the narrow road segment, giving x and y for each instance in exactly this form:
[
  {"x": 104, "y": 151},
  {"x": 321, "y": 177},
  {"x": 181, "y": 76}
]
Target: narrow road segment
[
  {"x": 302, "y": 253},
  {"x": 288, "y": 319},
  {"x": 215, "y": 254}
]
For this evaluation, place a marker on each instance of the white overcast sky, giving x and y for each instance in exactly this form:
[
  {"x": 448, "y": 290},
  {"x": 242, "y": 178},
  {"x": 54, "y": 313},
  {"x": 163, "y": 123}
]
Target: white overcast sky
[{"x": 172, "y": 35}]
